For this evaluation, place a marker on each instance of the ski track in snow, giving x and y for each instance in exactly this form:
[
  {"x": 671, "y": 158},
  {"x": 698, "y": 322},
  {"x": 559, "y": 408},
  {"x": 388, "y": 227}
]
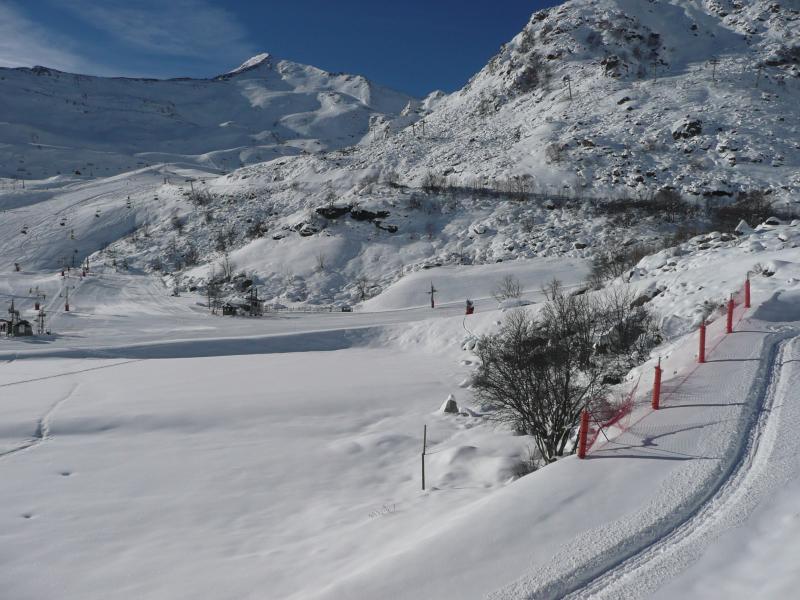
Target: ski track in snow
[
  {"x": 42, "y": 432},
  {"x": 673, "y": 549}
]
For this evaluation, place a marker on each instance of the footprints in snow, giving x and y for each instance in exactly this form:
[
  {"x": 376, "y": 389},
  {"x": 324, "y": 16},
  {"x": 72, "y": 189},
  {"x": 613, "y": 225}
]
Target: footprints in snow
[{"x": 30, "y": 515}]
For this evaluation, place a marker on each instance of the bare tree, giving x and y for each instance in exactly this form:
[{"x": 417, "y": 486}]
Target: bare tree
[
  {"x": 507, "y": 288},
  {"x": 540, "y": 374},
  {"x": 627, "y": 328},
  {"x": 213, "y": 292},
  {"x": 364, "y": 287},
  {"x": 321, "y": 260},
  {"x": 227, "y": 267}
]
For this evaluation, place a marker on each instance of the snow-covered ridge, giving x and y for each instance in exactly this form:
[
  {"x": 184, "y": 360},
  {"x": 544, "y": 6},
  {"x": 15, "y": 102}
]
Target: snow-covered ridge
[
  {"x": 250, "y": 63},
  {"x": 61, "y": 123},
  {"x": 594, "y": 96}
]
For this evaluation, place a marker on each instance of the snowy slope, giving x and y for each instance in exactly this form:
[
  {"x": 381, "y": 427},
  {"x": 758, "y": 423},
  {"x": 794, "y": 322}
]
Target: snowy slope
[
  {"x": 436, "y": 183},
  {"x": 53, "y": 122},
  {"x": 638, "y": 72},
  {"x": 282, "y": 465}
]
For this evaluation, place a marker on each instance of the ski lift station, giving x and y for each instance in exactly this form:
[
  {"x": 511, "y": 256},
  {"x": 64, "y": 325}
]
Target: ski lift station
[{"x": 16, "y": 328}]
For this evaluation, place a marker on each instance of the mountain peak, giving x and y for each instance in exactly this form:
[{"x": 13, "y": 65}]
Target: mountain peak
[{"x": 251, "y": 63}]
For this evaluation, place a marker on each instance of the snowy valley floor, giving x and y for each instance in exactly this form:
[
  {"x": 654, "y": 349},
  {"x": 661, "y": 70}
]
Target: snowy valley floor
[{"x": 160, "y": 453}]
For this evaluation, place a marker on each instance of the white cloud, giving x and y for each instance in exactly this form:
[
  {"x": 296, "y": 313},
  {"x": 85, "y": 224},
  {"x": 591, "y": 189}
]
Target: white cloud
[
  {"x": 187, "y": 28},
  {"x": 25, "y": 44}
]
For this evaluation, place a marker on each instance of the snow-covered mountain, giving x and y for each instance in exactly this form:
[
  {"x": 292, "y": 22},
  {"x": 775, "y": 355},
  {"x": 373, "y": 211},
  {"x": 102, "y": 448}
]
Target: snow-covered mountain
[
  {"x": 625, "y": 96},
  {"x": 141, "y": 430},
  {"x": 594, "y": 99},
  {"x": 53, "y": 122}
]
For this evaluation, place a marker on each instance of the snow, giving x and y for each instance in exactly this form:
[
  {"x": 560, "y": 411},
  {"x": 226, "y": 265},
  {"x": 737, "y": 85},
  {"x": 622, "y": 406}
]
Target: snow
[
  {"x": 151, "y": 450},
  {"x": 456, "y": 284},
  {"x": 757, "y": 556},
  {"x": 58, "y": 123},
  {"x": 243, "y": 466}
]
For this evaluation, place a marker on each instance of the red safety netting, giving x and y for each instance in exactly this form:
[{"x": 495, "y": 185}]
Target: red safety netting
[{"x": 619, "y": 417}]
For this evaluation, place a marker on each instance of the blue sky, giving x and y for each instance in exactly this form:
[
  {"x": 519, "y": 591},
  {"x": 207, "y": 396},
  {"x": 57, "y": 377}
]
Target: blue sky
[{"x": 415, "y": 46}]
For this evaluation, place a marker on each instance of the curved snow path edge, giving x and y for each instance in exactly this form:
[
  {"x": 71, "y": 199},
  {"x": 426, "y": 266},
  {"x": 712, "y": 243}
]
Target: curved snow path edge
[
  {"x": 671, "y": 553},
  {"x": 615, "y": 549}
]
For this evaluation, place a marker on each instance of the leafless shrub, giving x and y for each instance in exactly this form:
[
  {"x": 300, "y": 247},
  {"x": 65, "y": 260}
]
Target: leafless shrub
[
  {"x": 365, "y": 287},
  {"x": 753, "y": 207},
  {"x": 537, "y": 375},
  {"x": 200, "y": 197},
  {"x": 508, "y": 288},
  {"x": 320, "y": 261},
  {"x": 432, "y": 182},
  {"x": 226, "y": 267},
  {"x": 613, "y": 264}
]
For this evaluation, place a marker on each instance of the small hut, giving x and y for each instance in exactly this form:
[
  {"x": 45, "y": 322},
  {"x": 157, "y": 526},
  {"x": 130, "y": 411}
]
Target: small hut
[
  {"x": 229, "y": 310},
  {"x": 22, "y": 328},
  {"x": 16, "y": 327}
]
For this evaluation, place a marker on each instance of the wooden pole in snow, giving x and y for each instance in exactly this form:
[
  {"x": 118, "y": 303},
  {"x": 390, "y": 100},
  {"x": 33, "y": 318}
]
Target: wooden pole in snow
[
  {"x": 747, "y": 291},
  {"x": 424, "y": 447},
  {"x": 432, "y": 295},
  {"x": 729, "y": 324},
  {"x": 583, "y": 434},
  {"x": 701, "y": 356}
]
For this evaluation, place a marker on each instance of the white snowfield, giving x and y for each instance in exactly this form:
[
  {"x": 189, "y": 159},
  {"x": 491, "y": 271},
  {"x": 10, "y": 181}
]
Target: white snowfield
[{"x": 150, "y": 451}]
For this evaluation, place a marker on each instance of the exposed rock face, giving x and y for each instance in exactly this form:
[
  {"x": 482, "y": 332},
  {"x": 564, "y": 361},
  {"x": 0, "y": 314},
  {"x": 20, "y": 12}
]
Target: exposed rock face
[
  {"x": 687, "y": 129},
  {"x": 450, "y": 407}
]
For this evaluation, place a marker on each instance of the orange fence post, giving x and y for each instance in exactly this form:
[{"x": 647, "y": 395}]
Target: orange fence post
[
  {"x": 583, "y": 434},
  {"x": 729, "y": 326},
  {"x": 657, "y": 386},
  {"x": 701, "y": 357},
  {"x": 747, "y": 292}
]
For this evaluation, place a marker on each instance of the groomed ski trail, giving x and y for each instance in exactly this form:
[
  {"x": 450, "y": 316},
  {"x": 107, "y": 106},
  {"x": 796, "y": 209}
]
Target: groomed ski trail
[
  {"x": 644, "y": 551},
  {"x": 727, "y": 505}
]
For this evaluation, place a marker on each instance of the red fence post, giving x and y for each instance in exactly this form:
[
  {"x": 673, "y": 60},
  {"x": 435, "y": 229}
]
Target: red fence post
[
  {"x": 729, "y": 326},
  {"x": 657, "y": 386},
  {"x": 701, "y": 357},
  {"x": 583, "y": 434},
  {"x": 747, "y": 292}
]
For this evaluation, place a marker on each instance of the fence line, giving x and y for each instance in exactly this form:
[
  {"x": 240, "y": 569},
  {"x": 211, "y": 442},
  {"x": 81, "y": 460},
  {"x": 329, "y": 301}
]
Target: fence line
[{"x": 739, "y": 304}]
